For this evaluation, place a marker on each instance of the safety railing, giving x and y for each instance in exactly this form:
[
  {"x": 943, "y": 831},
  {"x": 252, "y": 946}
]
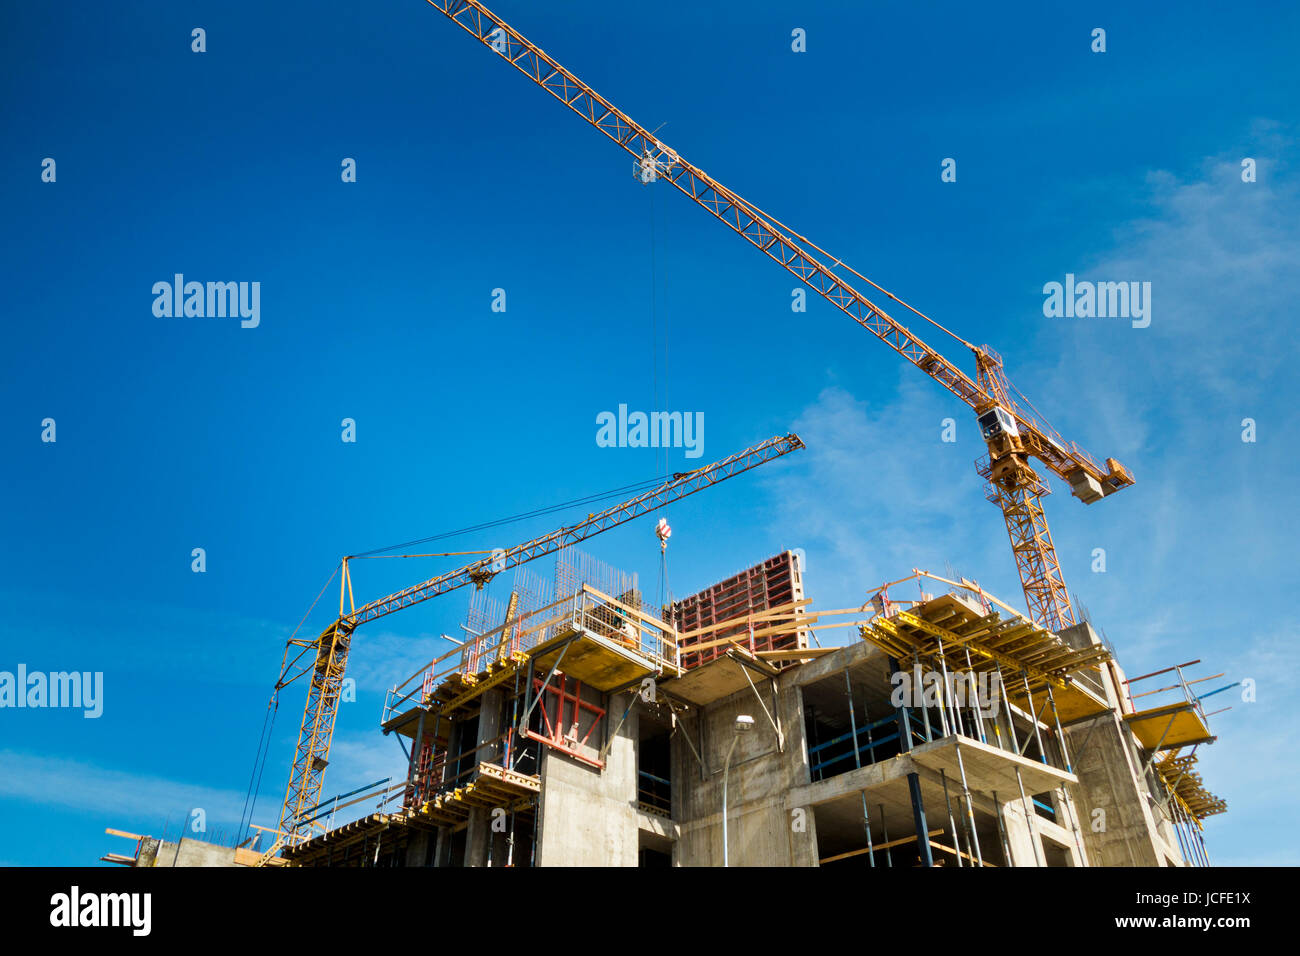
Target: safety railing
[
  {"x": 588, "y": 610},
  {"x": 654, "y": 794},
  {"x": 1179, "y": 690}
]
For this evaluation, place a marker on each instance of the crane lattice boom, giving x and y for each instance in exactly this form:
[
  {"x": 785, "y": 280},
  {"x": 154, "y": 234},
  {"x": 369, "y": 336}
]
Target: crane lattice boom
[
  {"x": 1012, "y": 432},
  {"x": 330, "y": 649}
]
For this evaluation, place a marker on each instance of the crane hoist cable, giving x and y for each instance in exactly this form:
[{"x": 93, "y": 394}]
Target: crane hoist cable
[{"x": 273, "y": 708}]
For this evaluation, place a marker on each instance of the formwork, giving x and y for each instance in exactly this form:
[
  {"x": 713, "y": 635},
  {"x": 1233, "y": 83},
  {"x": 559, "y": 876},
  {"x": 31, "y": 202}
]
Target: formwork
[{"x": 773, "y": 583}]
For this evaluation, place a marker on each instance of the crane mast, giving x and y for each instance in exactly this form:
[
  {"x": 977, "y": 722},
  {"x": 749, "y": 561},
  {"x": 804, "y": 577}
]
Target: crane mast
[
  {"x": 329, "y": 651},
  {"x": 1012, "y": 432}
]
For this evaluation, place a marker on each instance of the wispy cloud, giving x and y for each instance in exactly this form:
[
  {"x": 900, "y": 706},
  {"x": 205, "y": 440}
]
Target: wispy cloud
[
  {"x": 378, "y": 661},
  {"x": 879, "y": 492},
  {"x": 1198, "y": 551},
  {"x": 56, "y": 781}
]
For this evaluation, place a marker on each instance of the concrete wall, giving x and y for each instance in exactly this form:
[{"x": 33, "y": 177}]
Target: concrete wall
[
  {"x": 762, "y": 830},
  {"x": 192, "y": 853},
  {"x": 1128, "y": 831}
]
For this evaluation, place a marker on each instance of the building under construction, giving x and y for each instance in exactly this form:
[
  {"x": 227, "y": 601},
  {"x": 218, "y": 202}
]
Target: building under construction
[
  {"x": 585, "y": 728},
  {"x": 580, "y": 724}
]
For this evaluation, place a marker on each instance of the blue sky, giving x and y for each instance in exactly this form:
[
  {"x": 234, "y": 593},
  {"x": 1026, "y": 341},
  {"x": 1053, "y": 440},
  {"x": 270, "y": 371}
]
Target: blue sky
[{"x": 177, "y": 433}]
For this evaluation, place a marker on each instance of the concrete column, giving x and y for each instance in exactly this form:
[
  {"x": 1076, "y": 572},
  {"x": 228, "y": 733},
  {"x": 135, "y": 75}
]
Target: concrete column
[
  {"x": 419, "y": 848},
  {"x": 1125, "y": 832},
  {"x": 480, "y": 836},
  {"x": 1022, "y": 841},
  {"x": 588, "y": 815}
]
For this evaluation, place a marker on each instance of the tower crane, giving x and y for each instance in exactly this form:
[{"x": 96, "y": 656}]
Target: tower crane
[
  {"x": 1013, "y": 432},
  {"x": 328, "y": 654}
]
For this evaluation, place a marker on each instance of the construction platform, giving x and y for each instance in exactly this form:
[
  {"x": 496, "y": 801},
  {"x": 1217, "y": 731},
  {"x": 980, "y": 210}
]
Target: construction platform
[
  {"x": 1187, "y": 787},
  {"x": 493, "y": 786},
  {"x": 962, "y": 634},
  {"x": 719, "y": 677},
  {"x": 590, "y": 636},
  {"x": 1170, "y": 727}
]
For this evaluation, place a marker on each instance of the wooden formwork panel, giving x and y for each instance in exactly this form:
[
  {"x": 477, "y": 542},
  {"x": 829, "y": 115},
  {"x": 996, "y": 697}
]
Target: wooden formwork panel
[{"x": 771, "y": 583}]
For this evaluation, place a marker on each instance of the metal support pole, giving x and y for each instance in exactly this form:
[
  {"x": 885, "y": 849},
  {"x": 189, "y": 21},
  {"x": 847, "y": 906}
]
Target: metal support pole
[
  {"x": 726, "y": 770},
  {"x": 1029, "y": 818},
  {"x": 605, "y": 747},
  {"x": 884, "y": 827},
  {"x": 1042, "y": 752},
  {"x": 546, "y": 683},
  {"x": 1066, "y": 800},
  {"x": 866, "y": 825},
  {"x": 957, "y": 722},
  {"x": 1200, "y": 842},
  {"x": 780, "y": 738},
  {"x": 853, "y": 727},
  {"x": 952, "y": 823},
  {"x": 918, "y": 678},
  {"x": 1155, "y": 751},
  {"x": 970, "y": 810},
  {"x": 1060, "y": 736},
  {"x": 918, "y": 815},
  {"x": 1011, "y": 719},
  {"x": 904, "y": 724},
  {"x": 979, "y": 704}
]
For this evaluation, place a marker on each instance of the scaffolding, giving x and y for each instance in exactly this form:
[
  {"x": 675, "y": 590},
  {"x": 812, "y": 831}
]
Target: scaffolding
[
  {"x": 988, "y": 667},
  {"x": 1188, "y": 803},
  {"x": 968, "y": 630},
  {"x": 554, "y": 653}
]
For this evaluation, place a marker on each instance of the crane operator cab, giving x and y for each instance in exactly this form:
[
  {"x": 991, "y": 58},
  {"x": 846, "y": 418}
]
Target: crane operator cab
[
  {"x": 997, "y": 423},
  {"x": 1007, "y": 459}
]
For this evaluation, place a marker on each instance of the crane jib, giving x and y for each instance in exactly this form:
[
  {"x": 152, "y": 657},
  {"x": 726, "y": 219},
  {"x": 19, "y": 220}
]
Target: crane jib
[
  {"x": 1013, "y": 485},
  {"x": 315, "y": 735}
]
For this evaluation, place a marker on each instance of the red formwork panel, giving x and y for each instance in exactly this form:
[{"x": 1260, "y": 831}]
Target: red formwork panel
[{"x": 771, "y": 583}]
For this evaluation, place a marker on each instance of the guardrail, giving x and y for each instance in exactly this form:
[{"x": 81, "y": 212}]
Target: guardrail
[{"x": 588, "y": 610}]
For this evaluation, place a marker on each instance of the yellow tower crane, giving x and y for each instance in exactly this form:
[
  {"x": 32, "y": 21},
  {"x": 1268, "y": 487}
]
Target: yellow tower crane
[
  {"x": 1013, "y": 432},
  {"x": 327, "y": 655}
]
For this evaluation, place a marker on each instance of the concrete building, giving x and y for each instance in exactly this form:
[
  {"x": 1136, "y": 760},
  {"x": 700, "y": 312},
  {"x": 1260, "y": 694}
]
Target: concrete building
[
  {"x": 954, "y": 732},
  {"x": 153, "y": 851}
]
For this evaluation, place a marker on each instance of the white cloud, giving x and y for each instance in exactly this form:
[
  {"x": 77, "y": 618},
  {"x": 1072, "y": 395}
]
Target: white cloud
[
  {"x": 134, "y": 798},
  {"x": 379, "y": 660},
  {"x": 1199, "y": 550},
  {"x": 879, "y": 493}
]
